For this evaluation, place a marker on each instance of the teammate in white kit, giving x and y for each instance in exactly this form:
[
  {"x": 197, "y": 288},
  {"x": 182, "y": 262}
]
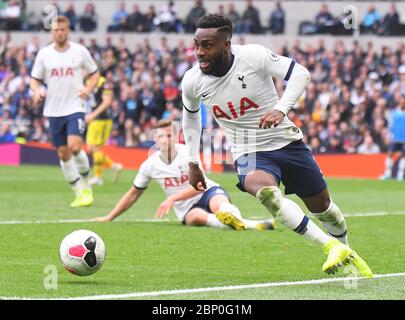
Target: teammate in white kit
[
  {"x": 169, "y": 167},
  {"x": 235, "y": 83},
  {"x": 60, "y": 66}
]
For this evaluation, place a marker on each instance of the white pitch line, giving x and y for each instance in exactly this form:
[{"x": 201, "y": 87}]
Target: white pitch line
[
  {"x": 356, "y": 215},
  {"x": 78, "y": 221},
  {"x": 208, "y": 289}
]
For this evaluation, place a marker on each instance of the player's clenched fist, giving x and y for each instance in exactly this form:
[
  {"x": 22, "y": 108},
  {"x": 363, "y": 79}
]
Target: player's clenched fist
[
  {"x": 196, "y": 177},
  {"x": 271, "y": 118}
]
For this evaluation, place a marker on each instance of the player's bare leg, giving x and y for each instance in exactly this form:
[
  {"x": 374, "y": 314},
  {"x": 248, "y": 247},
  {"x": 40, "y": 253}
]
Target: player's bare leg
[
  {"x": 322, "y": 207},
  {"x": 230, "y": 215},
  {"x": 264, "y": 187}
]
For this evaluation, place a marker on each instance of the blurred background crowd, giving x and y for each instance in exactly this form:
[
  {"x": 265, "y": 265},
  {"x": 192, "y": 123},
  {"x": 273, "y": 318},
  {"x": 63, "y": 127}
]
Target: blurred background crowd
[
  {"x": 16, "y": 16},
  {"x": 346, "y": 108}
]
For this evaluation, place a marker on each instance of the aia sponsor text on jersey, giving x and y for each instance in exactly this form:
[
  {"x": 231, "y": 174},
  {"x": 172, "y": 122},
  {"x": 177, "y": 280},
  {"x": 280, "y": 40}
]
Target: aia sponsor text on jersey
[
  {"x": 172, "y": 182},
  {"x": 244, "y": 105},
  {"x": 62, "y": 72}
]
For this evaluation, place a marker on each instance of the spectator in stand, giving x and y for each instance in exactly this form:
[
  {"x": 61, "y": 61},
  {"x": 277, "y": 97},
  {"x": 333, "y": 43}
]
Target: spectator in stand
[
  {"x": 88, "y": 20},
  {"x": 277, "y": 20},
  {"x": 234, "y": 16},
  {"x": 71, "y": 15},
  {"x": 149, "y": 18},
  {"x": 368, "y": 146},
  {"x": 324, "y": 20},
  {"x": 390, "y": 24},
  {"x": 251, "y": 19},
  {"x": 398, "y": 85},
  {"x": 119, "y": 19},
  {"x": 136, "y": 20},
  {"x": 13, "y": 16},
  {"x": 21, "y": 77},
  {"x": 371, "y": 21},
  {"x": 193, "y": 16},
  {"x": 5, "y": 134},
  {"x": 166, "y": 19}
]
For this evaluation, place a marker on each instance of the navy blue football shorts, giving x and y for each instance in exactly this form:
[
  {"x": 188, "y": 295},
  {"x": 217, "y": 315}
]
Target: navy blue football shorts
[
  {"x": 62, "y": 127},
  {"x": 293, "y": 165},
  {"x": 204, "y": 201}
]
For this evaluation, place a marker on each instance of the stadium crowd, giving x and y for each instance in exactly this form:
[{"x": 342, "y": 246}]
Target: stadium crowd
[
  {"x": 346, "y": 107},
  {"x": 14, "y": 15}
]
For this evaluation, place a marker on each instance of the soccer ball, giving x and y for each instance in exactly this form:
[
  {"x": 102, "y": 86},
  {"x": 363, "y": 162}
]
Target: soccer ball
[{"x": 82, "y": 252}]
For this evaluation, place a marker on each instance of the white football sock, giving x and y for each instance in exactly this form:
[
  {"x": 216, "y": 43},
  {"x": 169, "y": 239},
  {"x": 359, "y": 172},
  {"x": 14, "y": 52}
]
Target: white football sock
[
  {"x": 388, "y": 167},
  {"x": 289, "y": 214},
  {"x": 401, "y": 168},
  {"x": 72, "y": 175},
  {"x": 229, "y": 207},
  {"x": 83, "y": 166},
  {"x": 332, "y": 219},
  {"x": 212, "y": 221}
]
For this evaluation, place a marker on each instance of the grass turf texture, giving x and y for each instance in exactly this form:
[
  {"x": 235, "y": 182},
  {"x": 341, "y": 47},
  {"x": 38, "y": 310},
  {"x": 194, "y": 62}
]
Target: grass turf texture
[{"x": 144, "y": 256}]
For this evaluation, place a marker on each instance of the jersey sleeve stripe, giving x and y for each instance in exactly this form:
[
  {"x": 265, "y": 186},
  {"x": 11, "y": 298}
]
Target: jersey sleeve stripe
[
  {"x": 290, "y": 69},
  {"x": 139, "y": 188},
  {"x": 93, "y": 72},
  {"x": 191, "y": 111},
  {"x": 37, "y": 79}
]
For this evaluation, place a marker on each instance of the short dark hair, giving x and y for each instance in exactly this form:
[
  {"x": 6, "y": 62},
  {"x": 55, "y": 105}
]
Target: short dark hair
[{"x": 218, "y": 21}]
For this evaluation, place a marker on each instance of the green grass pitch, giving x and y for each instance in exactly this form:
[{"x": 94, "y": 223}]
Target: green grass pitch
[{"x": 144, "y": 257}]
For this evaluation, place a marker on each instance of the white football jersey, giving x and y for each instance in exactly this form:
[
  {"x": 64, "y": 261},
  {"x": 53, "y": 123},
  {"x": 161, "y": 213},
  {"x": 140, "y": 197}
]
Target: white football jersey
[
  {"x": 238, "y": 99},
  {"x": 62, "y": 72},
  {"x": 173, "y": 178}
]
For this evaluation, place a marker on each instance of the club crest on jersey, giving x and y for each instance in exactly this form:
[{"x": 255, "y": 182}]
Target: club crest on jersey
[
  {"x": 245, "y": 104},
  {"x": 242, "y": 78},
  {"x": 62, "y": 72}
]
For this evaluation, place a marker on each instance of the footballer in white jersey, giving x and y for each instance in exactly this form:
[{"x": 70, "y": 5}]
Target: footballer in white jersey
[
  {"x": 235, "y": 83},
  {"x": 244, "y": 94},
  {"x": 62, "y": 72},
  {"x": 169, "y": 167},
  {"x": 60, "y": 67},
  {"x": 172, "y": 177}
]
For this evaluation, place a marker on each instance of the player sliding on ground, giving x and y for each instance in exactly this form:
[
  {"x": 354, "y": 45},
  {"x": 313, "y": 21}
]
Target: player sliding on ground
[
  {"x": 60, "y": 65},
  {"x": 169, "y": 166},
  {"x": 235, "y": 83}
]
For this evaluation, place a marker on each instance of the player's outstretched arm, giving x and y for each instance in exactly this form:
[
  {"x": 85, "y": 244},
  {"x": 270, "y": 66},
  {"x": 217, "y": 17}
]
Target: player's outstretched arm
[
  {"x": 166, "y": 205},
  {"x": 123, "y": 205}
]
